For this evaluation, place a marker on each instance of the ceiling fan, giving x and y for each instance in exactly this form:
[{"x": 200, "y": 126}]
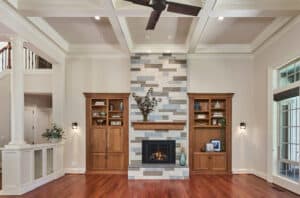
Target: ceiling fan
[{"x": 160, "y": 5}]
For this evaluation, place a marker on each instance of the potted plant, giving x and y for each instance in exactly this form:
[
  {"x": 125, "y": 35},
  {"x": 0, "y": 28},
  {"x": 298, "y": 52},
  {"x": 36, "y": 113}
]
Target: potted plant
[
  {"x": 54, "y": 134},
  {"x": 146, "y": 104}
]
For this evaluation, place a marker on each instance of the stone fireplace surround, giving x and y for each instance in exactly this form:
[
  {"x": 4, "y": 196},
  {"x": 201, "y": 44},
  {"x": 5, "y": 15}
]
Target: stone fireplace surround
[{"x": 167, "y": 74}]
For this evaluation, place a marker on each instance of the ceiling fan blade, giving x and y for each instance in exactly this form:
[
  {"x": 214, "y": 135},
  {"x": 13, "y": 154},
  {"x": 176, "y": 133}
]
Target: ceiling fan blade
[
  {"x": 140, "y": 2},
  {"x": 153, "y": 20},
  {"x": 183, "y": 9}
]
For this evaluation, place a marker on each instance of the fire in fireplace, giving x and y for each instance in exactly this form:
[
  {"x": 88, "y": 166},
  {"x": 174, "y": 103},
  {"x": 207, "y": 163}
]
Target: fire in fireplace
[{"x": 158, "y": 151}]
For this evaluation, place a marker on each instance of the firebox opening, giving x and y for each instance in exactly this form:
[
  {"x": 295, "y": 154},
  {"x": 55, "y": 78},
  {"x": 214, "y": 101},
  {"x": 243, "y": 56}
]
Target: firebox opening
[{"x": 158, "y": 151}]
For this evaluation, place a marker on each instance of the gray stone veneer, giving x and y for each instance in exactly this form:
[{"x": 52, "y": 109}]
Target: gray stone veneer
[{"x": 167, "y": 74}]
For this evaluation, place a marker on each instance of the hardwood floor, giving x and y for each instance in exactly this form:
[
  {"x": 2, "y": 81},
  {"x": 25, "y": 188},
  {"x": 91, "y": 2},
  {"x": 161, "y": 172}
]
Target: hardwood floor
[{"x": 204, "y": 186}]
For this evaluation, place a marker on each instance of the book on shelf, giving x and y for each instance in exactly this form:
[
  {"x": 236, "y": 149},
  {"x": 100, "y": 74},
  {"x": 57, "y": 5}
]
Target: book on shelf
[{"x": 99, "y": 103}]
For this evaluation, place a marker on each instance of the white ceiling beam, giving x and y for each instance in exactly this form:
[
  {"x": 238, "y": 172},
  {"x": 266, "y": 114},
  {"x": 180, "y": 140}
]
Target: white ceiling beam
[
  {"x": 65, "y": 12},
  {"x": 258, "y": 4},
  {"x": 253, "y": 13},
  {"x": 224, "y": 48},
  {"x": 142, "y": 12},
  {"x": 200, "y": 26},
  {"x": 125, "y": 4},
  {"x": 116, "y": 26},
  {"x": 126, "y": 32},
  {"x": 256, "y": 8},
  {"x": 43, "y": 26},
  {"x": 159, "y": 48}
]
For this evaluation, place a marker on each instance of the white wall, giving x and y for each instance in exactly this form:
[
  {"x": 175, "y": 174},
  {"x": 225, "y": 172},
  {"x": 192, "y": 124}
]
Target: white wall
[
  {"x": 205, "y": 74},
  {"x": 5, "y": 109},
  {"x": 38, "y": 82},
  {"x": 277, "y": 52},
  {"x": 228, "y": 74},
  {"x": 89, "y": 75}
]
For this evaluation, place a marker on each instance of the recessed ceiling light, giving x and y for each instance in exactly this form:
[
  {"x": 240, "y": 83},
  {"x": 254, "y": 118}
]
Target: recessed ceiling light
[
  {"x": 220, "y": 18},
  {"x": 97, "y": 18}
]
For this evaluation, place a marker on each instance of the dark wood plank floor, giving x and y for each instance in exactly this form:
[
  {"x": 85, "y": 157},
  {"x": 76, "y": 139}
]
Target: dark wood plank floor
[{"x": 204, "y": 186}]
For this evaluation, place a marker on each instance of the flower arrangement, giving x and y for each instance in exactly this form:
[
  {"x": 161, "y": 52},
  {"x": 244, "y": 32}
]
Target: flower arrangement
[
  {"x": 146, "y": 104},
  {"x": 53, "y": 134}
]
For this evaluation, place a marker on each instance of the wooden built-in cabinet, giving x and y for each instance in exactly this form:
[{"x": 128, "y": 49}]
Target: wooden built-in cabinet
[
  {"x": 207, "y": 111},
  {"x": 107, "y": 132}
]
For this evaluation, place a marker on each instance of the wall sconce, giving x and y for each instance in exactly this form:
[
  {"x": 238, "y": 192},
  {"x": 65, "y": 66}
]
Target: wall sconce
[
  {"x": 243, "y": 125},
  {"x": 74, "y": 125}
]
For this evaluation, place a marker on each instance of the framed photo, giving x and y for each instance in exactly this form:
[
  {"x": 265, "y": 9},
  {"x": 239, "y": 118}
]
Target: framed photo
[
  {"x": 209, "y": 147},
  {"x": 217, "y": 145}
]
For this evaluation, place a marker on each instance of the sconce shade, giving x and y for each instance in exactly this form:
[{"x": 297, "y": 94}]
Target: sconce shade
[
  {"x": 242, "y": 125},
  {"x": 74, "y": 125}
]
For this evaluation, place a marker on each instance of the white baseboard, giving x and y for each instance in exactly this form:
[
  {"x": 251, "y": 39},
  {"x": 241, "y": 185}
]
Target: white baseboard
[
  {"x": 31, "y": 185},
  {"x": 250, "y": 171},
  {"x": 74, "y": 170},
  {"x": 241, "y": 171},
  {"x": 260, "y": 174}
]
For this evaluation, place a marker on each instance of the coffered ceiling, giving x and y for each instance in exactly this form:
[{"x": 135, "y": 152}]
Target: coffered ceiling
[{"x": 247, "y": 24}]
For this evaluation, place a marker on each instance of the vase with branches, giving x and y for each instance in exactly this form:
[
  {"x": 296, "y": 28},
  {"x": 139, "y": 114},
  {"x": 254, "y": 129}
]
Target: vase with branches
[{"x": 147, "y": 103}]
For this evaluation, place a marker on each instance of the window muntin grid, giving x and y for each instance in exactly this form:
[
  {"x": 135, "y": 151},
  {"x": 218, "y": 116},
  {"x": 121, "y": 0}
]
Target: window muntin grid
[
  {"x": 289, "y": 74},
  {"x": 289, "y": 138}
]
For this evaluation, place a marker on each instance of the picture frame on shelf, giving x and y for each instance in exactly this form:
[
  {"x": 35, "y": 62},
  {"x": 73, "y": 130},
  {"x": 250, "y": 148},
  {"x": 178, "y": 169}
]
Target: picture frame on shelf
[
  {"x": 216, "y": 145},
  {"x": 209, "y": 147}
]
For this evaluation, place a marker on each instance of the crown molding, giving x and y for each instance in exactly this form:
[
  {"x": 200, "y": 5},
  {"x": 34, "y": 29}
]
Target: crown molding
[
  {"x": 291, "y": 24},
  {"x": 224, "y": 48},
  {"x": 95, "y": 50},
  {"x": 221, "y": 56},
  {"x": 274, "y": 27},
  {"x": 159, "y": 48}
]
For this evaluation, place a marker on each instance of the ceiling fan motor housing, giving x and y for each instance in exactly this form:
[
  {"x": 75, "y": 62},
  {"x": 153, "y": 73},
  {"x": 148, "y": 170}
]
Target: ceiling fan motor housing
[{"x": 159, "y": 5}]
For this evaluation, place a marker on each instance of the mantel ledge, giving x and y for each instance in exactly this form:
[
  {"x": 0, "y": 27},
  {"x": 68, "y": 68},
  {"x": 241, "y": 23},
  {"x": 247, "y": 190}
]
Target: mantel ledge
[{"x": 158, "y": 125}]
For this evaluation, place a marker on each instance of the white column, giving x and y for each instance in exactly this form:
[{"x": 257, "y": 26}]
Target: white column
[
  {"x": 17, "y": 93},
  {"x": 58, "y": 94}
]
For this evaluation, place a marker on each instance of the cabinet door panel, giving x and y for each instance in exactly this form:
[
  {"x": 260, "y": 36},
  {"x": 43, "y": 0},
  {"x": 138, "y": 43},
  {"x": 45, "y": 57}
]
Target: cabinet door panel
[
  {"x": 98, "y": 140},
  {"x": 98, "y": 161},
  {"x": 115, "y": 161},
  {"x": 201, "y": 162},
  {"x": 218, "y": 162},
  {"x": 115, "y": 139}
]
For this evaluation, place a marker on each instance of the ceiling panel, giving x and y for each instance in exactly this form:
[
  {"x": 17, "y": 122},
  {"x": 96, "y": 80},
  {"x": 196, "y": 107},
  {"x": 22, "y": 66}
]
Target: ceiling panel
[
  {"x": 169, "y": 30},
  {"x": 84, "y": 30},
  {"x": 234, "y": 30}
]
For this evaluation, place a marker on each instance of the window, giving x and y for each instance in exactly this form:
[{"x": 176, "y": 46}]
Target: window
[
  {"x": 289, "y": 74},
  {"x": 288, "y": 120},
  {"x": 289, "y": 137}
]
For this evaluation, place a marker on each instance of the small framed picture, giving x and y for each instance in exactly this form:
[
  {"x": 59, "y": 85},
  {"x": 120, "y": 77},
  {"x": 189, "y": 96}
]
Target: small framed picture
[
  {"x": 217, "y": 145},
  {"x": 209, "y": 147}
]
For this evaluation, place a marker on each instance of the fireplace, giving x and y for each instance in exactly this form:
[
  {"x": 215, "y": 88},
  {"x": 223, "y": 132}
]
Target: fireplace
[{"x": 158, "y": 151}]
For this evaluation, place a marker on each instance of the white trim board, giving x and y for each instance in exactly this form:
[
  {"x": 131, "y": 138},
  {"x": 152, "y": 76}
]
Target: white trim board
[{"x": 75, "y": 171}]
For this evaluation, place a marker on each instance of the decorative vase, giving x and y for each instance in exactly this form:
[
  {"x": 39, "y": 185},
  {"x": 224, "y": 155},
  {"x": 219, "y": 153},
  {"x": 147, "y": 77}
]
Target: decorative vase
[
  {"x": 217, "y": 105},
  {"x": 121, "y": 106},
  {"x": 182, "y": 160},
  {"x": 145, "y": 117}
]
